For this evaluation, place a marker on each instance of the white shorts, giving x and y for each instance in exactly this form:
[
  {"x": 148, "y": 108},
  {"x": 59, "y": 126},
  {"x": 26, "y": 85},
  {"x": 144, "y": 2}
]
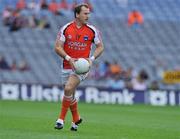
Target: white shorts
[{"x": 65, "y": 73}]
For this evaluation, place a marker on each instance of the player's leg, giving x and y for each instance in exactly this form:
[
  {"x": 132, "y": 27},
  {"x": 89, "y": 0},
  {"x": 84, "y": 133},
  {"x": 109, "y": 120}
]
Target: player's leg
[
  {"x": 74, "y": 109},
  {"x": 74, "y": 106},
  {"x": 69, "y": 89},
  {"x": 75, "y": 114}
]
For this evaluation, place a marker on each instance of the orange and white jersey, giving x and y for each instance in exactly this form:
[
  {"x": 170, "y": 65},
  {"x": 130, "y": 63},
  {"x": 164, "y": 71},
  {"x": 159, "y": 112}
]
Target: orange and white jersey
[{"x": 78, "y": 41}]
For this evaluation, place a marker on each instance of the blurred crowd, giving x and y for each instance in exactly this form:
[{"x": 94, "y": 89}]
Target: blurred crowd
[
  {"x": 115, "y": 76},
  {"x": 20, "y": 65},
  {"x": 111, "y": 74},
  {"x": 33, "y": 14},
  {"x": 135, "y": 19},
  {"x": 118, "y": 78}
]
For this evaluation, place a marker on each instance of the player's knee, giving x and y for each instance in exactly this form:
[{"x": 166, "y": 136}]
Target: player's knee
[{"x": 68, "y": 88}]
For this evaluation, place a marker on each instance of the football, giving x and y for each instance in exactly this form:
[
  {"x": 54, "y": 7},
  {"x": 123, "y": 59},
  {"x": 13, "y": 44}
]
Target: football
[{"x": 81, "y": 66}]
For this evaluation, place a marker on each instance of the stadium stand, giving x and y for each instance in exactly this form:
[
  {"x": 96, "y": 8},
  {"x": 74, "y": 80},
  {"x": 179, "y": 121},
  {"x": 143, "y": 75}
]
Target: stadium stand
[{"x": 157, "y": 39}]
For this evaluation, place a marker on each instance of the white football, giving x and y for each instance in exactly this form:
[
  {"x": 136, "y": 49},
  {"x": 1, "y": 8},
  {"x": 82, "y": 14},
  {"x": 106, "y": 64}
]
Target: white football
[{"x": 81, "y": 66}]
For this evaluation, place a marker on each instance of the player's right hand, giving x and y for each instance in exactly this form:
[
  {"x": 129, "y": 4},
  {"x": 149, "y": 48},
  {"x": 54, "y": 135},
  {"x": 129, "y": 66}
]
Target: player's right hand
[{"x": 71, "y": 62}]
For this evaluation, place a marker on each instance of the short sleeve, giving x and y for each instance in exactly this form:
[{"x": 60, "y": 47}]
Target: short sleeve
[
  {"x": 97, "y": 38},
  {"x": 60, "y": 35}
]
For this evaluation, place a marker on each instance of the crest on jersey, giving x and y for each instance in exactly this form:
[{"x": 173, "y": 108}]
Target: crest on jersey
[
  {"x": 69, "y": 36},
  {"x": 85, "y": 38}
]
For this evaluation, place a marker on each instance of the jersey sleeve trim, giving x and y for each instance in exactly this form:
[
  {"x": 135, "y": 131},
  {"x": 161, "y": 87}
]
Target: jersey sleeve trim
[
  {"x": 97, "y": 37},
  {"x": 61, "y": 33}
]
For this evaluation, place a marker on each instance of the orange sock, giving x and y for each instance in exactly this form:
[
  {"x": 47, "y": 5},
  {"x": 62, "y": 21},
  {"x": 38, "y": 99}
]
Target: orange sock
[
  {"x": 65, "y": 106},
  {"x": 74, "y": 110}
]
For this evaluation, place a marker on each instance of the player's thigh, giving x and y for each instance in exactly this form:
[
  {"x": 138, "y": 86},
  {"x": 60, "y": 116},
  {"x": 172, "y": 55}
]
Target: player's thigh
[
  {"x": 64, "y": 76},
  {"x": 72, "y": 82}
]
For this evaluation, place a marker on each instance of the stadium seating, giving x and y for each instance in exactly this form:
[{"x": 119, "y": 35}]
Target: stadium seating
[{"x": 156, "y": 39}]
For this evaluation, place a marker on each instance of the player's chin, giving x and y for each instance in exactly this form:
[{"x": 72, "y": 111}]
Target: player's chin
[{"x": 85, "y": 21}]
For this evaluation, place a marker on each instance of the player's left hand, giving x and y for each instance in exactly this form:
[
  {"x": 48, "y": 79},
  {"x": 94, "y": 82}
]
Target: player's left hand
[{"x": 90, "y": 61}]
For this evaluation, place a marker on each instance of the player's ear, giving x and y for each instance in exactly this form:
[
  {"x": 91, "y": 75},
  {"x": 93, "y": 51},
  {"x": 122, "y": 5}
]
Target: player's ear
[{"x": 77, "y": 15}]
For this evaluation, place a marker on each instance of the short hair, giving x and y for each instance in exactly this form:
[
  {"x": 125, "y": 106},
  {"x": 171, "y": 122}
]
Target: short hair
[{"x": 78, "y": 7}]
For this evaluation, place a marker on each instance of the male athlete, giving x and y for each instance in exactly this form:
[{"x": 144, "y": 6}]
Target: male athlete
[{"x": 74, "y": 41}]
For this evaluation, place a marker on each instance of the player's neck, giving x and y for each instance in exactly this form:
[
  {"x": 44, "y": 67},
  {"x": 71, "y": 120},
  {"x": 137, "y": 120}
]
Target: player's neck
[{"x": 78, "y": 24}]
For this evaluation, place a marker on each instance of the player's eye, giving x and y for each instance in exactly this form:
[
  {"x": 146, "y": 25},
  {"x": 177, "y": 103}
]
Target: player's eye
[{"x": 87, "y": 13}]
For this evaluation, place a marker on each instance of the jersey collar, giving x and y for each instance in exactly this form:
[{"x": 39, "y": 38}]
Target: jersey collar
[{"x": 75, "y": 25}]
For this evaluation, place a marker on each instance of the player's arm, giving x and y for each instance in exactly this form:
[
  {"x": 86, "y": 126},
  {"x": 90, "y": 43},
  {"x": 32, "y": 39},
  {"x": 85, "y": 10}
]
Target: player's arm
[
  {"x": 59, "y": 49},
  {"x": 98, "y": 50},
  {"x": 99, "y": 46}
]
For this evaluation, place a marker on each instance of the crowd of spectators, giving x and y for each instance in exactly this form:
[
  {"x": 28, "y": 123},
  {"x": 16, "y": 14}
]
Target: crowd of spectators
[
  {"x": 111, "y": 74},
  {"x": 118, "y": 78},
  {"x": 33, "y": 14},
  {"x": 135, "y": 19},
  {"x": 19, "y": 66},
  {"x": 114, "y": 75}
]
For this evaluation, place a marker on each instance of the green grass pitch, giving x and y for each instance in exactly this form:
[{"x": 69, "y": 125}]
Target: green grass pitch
[{"x": 35, "y": 120}]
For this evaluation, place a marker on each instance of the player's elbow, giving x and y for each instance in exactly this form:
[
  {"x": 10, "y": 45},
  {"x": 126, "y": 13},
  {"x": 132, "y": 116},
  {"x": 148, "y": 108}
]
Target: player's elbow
[
  {"x": 101, "y": 48},
  {"x": 56, "y": 49}
]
